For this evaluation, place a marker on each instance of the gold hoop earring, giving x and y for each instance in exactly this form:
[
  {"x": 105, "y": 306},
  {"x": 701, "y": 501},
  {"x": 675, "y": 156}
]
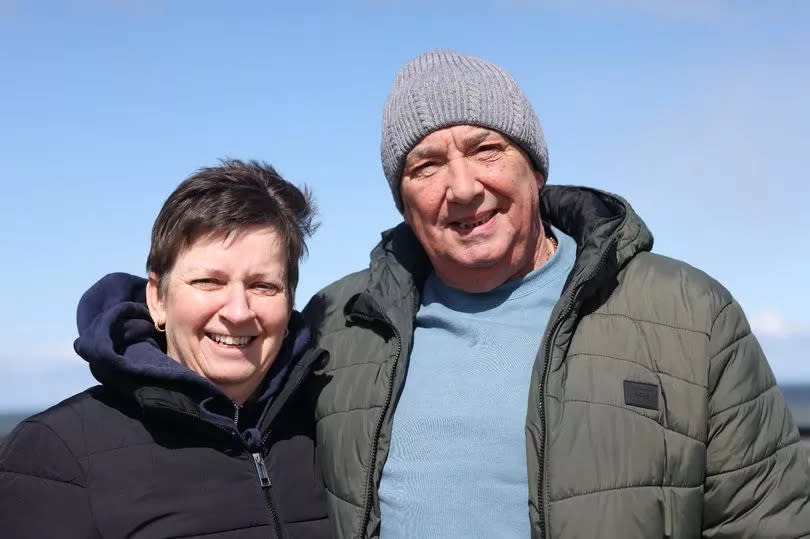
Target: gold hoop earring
[{"x": 160, "y": 329}]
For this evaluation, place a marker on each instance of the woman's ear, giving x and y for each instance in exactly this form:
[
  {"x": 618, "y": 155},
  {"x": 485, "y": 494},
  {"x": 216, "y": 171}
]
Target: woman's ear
[{"x": 154, "y": 300}]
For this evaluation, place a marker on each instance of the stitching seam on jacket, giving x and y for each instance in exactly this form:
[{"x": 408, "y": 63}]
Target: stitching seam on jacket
[
  {"x": 220, "y": 532},
  {"x": 654, "y": 371},
  {"x": 733, "y": 343},
  {"x": 67, "y": 448},
  {"x": 711, "y": 359},
  {"x": 756, "y": 462},
  {"x": 723, "y": 308},
  {"x": 124, "y": 447},
  {"x": 359, "y": 408},
  {"x": 747, "y": 401},
  {"x": 62, "y": 481},
  {"x": 630, "y": 410},
  {"x": 307, "y": 520},
  {"x": 90, "y": 509},
  {"x": 653, "y": 322},
  {"x": 626, "y": 487},
  {"x": 335, "y": 369},
  {"x": 341, "y": 498}
]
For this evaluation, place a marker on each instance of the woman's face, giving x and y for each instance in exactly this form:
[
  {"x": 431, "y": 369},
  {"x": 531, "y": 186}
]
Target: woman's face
[{"x": 225, "y": 305}]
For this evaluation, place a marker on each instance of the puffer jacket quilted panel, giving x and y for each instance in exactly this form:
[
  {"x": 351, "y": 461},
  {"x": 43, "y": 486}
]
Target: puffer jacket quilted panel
[
  {"x": 717, "y": 456},
  {"x": 632, "y": 461},
  {"x": 349, "y": 421}
]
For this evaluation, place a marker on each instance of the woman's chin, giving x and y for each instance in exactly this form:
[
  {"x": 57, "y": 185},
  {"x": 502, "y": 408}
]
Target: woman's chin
[
  {"x": 236, "y": 383},
  {"x": 235, "y": 367}
]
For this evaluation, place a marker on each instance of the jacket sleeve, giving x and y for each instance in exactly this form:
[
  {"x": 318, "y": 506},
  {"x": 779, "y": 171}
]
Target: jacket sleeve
[
  {"x": 757, "y": 474},
  {"x": 42, "y": 487}
]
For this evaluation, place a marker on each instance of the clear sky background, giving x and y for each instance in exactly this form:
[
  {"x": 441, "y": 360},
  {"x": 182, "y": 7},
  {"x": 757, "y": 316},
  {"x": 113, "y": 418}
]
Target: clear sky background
[{"x": 695, "y": 111}]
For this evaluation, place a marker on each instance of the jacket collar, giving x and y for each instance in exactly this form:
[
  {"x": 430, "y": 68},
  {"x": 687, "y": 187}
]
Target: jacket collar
[{"x": 217, "y": 410}]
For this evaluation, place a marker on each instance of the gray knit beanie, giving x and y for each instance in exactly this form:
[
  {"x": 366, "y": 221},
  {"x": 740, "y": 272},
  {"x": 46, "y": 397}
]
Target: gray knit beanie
[{"x": 443, "y": 88}]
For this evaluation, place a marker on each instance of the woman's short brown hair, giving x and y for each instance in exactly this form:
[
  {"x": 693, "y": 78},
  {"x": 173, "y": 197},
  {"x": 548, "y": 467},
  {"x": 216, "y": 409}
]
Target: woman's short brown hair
[{"x": 227, "y": 198}]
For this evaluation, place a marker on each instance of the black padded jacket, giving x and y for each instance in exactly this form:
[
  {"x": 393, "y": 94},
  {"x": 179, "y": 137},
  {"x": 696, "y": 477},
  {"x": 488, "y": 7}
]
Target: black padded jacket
[{"x": 157, "y": 451}]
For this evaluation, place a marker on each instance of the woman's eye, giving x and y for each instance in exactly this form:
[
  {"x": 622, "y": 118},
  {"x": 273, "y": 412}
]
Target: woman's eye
[
  {"x": 205, "y": 284},
  {"x": 269, "y": 289}
]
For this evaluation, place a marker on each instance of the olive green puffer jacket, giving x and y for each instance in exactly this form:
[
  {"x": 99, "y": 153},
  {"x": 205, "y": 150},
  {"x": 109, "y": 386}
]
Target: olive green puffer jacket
[{"x": 653, "y": 412}]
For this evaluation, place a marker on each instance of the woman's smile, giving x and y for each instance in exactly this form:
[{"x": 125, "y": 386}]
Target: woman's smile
[{"x": 231, "y": 341}]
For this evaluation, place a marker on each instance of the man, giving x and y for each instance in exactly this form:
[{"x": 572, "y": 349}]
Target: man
[{"x": 513, "y": 342}]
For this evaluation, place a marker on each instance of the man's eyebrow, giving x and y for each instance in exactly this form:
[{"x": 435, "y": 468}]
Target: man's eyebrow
[
  {"x": 423, "y": 152},
  {"x": 477, "y": 137}
]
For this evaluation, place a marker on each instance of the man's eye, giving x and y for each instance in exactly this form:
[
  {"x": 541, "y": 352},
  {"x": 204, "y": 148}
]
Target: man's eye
[
  {"x": 487, "y": 150},
  {"x": 423, "y": 169}
]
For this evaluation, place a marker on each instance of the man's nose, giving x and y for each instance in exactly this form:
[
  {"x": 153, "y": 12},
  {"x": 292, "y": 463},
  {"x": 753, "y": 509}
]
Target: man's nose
[{"x": 464, "y": 184}]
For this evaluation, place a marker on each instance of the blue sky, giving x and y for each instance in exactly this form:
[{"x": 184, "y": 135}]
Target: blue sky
[{"x": 695, "y": 111}]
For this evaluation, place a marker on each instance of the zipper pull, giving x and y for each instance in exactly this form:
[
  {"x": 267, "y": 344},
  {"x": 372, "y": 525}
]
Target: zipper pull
[
  {"x": 236, "y": 408},
  {"x": 261, "y": 470}
]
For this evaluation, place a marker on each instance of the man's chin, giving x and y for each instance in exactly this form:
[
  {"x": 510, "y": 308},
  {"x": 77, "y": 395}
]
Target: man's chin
[{"x": 474, "y": 277}]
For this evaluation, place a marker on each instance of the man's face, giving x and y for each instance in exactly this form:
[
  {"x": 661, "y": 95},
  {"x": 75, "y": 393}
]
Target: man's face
[{"x": 471, "y": 195}]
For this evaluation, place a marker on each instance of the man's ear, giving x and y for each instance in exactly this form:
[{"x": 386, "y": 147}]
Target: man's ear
[
  {"x": 539, "y": 178},
  {"x": 406, "y": 214},
  {"x": 154, "y": 300},
  {"x": 406, "y": 210}
]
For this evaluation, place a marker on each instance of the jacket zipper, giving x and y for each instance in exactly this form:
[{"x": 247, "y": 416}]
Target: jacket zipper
[
  {"x": 261, "y": 472},
  {"x": 267, "y": 489},
  {"x": 542, "y": 479},
  {"x": 375, "y": 441},
  {"x": 264, "y": 477},
  {"x": 261, "y": 469}
]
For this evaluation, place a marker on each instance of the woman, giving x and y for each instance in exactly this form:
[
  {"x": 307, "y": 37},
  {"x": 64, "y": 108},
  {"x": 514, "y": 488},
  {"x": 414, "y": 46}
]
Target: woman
[{"x": 200, "y": 426}]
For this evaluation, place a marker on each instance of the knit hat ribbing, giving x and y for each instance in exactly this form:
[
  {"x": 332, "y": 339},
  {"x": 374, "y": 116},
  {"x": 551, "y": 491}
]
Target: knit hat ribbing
[{"x": 443, "y": 88}]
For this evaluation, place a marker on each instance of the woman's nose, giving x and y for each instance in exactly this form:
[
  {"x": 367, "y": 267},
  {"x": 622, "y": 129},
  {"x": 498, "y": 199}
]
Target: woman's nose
[{"x": 236, "y": 309}]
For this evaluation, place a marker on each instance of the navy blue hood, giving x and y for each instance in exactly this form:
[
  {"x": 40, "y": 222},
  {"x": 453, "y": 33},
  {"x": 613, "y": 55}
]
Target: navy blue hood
[{"x": 118, "y": 339}]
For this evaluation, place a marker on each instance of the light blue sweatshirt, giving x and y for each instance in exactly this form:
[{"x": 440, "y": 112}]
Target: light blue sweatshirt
[{"x": 457, "y": 463}]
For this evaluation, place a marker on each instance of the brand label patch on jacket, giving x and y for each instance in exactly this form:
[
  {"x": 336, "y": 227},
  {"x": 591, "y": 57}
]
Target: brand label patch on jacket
[{"x": 641, "y": 395}]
